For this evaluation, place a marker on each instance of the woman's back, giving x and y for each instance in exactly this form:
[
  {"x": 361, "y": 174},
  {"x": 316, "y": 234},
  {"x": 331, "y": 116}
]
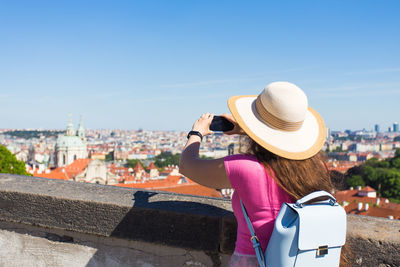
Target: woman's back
[{"x": 261, "y": 196}]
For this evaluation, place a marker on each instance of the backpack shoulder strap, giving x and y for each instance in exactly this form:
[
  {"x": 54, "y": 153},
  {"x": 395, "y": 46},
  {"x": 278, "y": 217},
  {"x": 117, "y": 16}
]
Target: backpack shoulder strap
[{"x": 254, "y": 240}]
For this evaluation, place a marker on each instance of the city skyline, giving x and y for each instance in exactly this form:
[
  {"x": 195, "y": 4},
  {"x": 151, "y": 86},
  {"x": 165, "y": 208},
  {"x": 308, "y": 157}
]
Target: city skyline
[
  {"x": 389, "y": 128},
  {"x": 158, "y": 65}
]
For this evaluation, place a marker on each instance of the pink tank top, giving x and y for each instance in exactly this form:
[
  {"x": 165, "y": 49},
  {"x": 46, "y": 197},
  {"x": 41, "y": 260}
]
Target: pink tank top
[{"x": 261, "y": 196}]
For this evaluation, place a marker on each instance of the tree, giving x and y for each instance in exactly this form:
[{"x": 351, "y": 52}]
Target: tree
[
  {"x": 371, "y": 175},
  {"x": 167, "y": 158},
  {"x": 374, "y": 177},
  {"x": 33, "y": 134},
  {"x": 397, "y": 153},
  {"x": 395, "y": 162},
  {"x": 355, "y": 180},
  {"x": 337, "y": 149},
  {"x": 383, "y": 164},
  {"x": 10, "y": 164},
  {"x": 205, "y": 157},
  {"x": 375, "y": 163},
  {"x": 382, "y": 175},
  {"x": 356, "y": 170},
  {"x": 371, "y": 162},
  {"x": 110, "y": 156},
  {"x": 131, "y": 163},
  {"x": 390, "y": 183}
]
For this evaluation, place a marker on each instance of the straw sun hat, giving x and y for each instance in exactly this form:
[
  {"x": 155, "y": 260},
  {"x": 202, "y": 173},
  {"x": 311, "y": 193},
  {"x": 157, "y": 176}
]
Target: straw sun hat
[{"x": 280, "y": 120}]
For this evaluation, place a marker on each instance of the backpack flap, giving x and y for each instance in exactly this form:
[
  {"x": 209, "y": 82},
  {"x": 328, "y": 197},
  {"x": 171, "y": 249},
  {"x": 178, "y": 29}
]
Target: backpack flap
[{"x": 320, "y": 224}]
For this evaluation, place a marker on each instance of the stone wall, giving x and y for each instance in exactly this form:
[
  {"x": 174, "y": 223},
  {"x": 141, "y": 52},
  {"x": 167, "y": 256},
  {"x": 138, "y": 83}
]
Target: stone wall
[{"x": 47, "y": 222}]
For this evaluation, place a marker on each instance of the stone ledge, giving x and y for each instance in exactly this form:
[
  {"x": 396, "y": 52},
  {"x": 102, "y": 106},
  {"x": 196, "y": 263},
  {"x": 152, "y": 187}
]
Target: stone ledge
[
  {"x": 190, "y": 222},
  {"x": 374, "y": 241},
  {"x": 26, "y": 245},
  {"x": 156, "y": 217}
]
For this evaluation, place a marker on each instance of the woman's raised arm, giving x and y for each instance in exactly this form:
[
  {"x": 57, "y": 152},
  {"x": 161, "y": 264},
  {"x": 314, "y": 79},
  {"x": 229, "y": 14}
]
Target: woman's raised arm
[{"x": 210, "y": 173}]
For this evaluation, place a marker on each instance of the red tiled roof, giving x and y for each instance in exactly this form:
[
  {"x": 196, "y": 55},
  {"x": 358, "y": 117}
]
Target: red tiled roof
[
  {"x": 138, "y": 167},
  {"x": 373, "y": 210},
  {"x": 151, "y": 166},
  {"x": 127, "y": 178},
  {"x": 76, "y": 167},
  {"x": 59, "y": 175},
  {"x": 119, "y": 170},
  {"x": 170, "y": 181},
  {"x": 382, "y": 209},
  {"x": 194, "y": 189},
  {"x": 368, "y": 189},
  {"x": 67, "y": 172},
  {"x": 170, "y": 184},
  {"x": 351, "y": 195},
  {"x": 341, "y": 166}
]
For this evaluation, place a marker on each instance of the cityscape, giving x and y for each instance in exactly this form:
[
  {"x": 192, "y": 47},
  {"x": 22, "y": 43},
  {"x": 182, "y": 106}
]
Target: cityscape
[
  {"x": 149, "y": 160},
  {"x": 98, "y": 100}
]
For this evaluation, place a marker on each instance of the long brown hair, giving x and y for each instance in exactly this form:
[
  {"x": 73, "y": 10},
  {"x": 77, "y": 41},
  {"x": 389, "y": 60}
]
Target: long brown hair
[{"x": 298, "y": 178}]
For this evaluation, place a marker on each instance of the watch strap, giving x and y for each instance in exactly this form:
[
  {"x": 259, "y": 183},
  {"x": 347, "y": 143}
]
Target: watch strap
[{"x": 195, "y": 133}]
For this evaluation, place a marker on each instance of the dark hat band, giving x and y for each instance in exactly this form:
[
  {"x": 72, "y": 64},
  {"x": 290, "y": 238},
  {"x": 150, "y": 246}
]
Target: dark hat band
[{"x": 274, "y": 121}]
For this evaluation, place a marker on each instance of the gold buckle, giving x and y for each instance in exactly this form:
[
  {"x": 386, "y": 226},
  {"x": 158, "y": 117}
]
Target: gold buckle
[
  {"x": 251, "y": 239},
  {"x": 322, "y": 250}
]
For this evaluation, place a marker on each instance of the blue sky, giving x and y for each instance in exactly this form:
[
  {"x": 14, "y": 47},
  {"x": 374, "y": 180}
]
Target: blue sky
[{"x": 158, "y": 65}]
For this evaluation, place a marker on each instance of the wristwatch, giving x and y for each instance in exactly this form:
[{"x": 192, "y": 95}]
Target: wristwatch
[{"x": 195, "y": 133}]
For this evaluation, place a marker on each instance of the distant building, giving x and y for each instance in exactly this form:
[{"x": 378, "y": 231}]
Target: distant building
[
  {"x": 52, "y": 162},
  {"x": 352, "y": 157},
  {"x": 396, "y": 127},
  {"x": 328, "y": 133},
  {"x": 71, "y": 146},
  {"x": 81, "y": 170},
  {"x": 231, "y": 149},
  {"x": 31, "y": 154},
  {"x": 152, "y": 170},
  {"x": 377, "y": 128},
  {"x": 96, "y": 172},
  {"x": 97, "y": 155},
  {"x": 139, "y": 171},
  {"x": 386, "y": 146},
  {"x": 367, "y": 192}
]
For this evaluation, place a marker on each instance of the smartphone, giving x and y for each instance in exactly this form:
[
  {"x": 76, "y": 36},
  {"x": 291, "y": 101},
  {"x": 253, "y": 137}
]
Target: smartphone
[{"x": 220, "y": 124}]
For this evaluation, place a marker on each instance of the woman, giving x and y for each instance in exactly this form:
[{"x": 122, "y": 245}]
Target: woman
[{"x": 283, "y": 162}]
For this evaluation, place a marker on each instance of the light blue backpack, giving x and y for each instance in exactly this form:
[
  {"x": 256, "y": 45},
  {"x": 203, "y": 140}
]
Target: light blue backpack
[{"x": 305, "y": 234}]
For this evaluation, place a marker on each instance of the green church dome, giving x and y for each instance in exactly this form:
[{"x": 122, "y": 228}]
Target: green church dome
[{"x": 65, "y": 141}]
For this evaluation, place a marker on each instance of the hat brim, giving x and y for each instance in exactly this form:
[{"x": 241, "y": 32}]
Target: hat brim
[{"x": 298, "y": 145}]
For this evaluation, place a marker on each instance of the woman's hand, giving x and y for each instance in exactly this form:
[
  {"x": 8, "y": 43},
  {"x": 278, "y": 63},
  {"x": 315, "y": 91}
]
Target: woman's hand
[
  {"x": 236, "y": 129},
  {"x": 202, "y": 124},
  {"x": 210, "y": 173}
]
